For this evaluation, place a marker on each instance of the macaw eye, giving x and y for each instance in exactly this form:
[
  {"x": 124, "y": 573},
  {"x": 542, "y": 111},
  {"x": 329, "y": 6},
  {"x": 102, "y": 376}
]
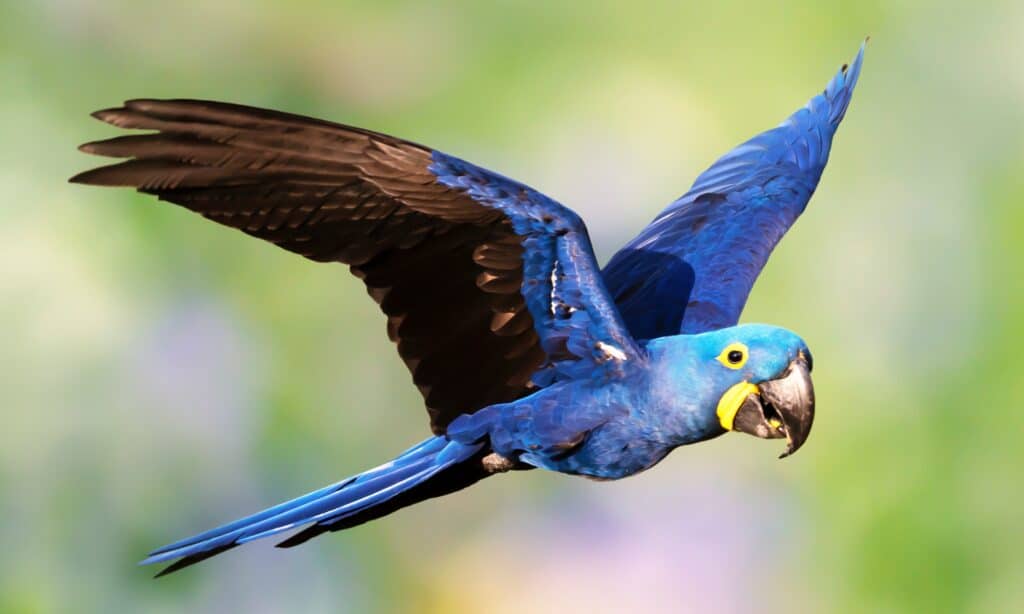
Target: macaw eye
[{"x": 734, "y": 356}]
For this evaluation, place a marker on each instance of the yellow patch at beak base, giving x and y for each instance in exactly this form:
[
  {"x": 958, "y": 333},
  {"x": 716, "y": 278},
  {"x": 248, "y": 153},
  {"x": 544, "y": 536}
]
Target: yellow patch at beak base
[{"x": 731, "y": 401}]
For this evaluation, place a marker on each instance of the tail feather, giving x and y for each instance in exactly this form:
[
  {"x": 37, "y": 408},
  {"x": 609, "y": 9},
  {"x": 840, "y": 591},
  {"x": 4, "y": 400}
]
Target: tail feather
[
  {"x": 326, "y": 506},
  {"x": 451, "y": 480}
]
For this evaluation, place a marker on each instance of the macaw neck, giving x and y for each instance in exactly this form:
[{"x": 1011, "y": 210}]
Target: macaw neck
[{"x": 683, "y": 393}]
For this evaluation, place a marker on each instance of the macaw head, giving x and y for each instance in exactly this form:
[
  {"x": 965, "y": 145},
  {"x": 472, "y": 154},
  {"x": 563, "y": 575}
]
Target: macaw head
[{"x": 754, "y": 378}]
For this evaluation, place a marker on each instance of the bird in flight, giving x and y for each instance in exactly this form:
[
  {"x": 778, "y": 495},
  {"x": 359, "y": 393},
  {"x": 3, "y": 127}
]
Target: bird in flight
[{"x": 526, "y": 352}]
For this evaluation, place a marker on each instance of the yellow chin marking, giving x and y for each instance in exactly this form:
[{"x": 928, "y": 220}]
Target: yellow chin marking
[{"x": 730, "y": 402}]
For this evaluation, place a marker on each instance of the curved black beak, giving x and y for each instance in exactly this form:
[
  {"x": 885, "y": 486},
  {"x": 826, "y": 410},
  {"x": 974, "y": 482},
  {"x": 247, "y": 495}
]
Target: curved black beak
[{"x": 784, "y": 407}]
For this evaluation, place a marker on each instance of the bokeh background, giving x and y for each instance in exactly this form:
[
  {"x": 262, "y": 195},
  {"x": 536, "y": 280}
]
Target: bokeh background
[{"x": 162, "y": 374}]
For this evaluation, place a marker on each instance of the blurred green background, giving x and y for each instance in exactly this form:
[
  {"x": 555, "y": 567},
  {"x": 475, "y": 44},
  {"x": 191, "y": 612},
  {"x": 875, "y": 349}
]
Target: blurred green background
[{"x": 162, "y": 374}]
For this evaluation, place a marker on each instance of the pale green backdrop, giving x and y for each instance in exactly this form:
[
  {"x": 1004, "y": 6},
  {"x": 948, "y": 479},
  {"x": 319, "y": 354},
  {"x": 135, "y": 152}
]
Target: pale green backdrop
[{"x": 161, "y": 374}]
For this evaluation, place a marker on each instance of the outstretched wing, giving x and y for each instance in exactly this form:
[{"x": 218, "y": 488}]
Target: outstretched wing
[
  {"x": 692, "y": 268},
  {"x": 484, "y": 281}
]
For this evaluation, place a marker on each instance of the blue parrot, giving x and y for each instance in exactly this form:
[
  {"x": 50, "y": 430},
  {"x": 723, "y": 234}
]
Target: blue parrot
[{"x": 527, "y": 353}]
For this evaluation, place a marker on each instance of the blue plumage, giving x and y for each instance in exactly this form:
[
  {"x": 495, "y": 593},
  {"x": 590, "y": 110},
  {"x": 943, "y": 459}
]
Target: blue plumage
[
  {"x": 527, "y": 355},
  {"x": 692, "y": 268},
  {"x": 562, "y": 283},
  {"x": 613, "y": 430},
  {"x": 328, "y": 505}
]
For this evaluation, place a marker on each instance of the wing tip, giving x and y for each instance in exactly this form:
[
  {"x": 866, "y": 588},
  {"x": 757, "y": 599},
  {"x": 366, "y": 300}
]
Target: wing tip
[
  {"x": 129, "y": 113},
  {"x": 84, "y": 178},
  {"x": 109, "y": 176},
  {"x": 94, "y": 148},
  {"x": 839, "y": 90},
  {"x": 109, "y": 115}
]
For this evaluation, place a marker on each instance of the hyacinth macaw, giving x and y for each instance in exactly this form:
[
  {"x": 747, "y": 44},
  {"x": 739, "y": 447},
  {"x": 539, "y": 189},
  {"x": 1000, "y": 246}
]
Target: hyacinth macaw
[{"x": 526, "y": 352}]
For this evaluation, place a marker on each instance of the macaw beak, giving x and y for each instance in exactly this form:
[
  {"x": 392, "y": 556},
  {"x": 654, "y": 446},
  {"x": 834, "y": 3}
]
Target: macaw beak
[{"x": 782, "y": 407}]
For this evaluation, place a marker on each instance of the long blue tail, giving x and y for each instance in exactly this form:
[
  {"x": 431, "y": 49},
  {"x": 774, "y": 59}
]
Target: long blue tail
[{"x": 326, "y": 509}]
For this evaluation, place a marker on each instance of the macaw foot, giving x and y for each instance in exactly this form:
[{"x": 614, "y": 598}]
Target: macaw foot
[{"x": 496, "y": 463}]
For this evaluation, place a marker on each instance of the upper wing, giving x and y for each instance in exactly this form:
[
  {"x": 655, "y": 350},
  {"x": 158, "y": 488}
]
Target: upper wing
[
  {"x": 692, "y": 268},
  {"x": 484, "y": 281}
]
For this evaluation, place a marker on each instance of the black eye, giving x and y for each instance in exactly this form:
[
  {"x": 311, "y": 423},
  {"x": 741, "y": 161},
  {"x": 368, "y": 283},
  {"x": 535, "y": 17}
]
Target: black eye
[{"x": 735, "y": 357}]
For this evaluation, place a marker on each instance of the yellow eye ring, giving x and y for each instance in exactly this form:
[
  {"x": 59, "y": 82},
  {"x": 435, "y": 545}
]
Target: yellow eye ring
[{"x": 734, "y": 356}]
